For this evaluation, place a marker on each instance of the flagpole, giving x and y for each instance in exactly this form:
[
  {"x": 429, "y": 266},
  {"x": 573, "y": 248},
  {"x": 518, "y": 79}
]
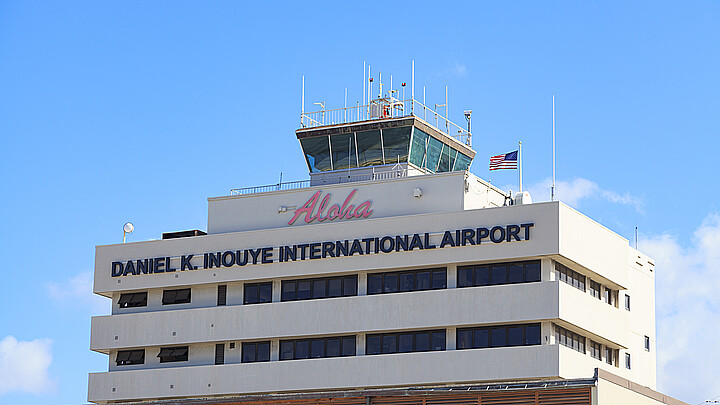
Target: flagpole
[{"x": 520, "y": 165}]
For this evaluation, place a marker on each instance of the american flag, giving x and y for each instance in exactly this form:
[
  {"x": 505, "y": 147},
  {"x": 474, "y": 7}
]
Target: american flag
[{"x": 505, "y": 161}]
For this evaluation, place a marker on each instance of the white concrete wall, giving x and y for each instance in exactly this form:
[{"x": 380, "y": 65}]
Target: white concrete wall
[
  {"x": 535, "y": 362},
  {"x": 459, "y": 307}
]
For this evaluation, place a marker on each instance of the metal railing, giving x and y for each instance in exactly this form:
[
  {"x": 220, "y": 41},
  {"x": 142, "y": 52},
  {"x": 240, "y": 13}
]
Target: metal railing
[
  {"x": 383, "y": 108},
  {"x": 271, "y": 187}
]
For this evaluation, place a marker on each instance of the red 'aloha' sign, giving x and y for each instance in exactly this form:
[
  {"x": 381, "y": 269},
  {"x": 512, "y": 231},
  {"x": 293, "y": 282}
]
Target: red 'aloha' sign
[{"x": 334, "y": 212}]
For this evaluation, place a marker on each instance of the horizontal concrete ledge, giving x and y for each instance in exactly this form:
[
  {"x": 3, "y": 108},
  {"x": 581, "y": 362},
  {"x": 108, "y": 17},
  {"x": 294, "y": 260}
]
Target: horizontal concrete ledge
[
  {"x": 635, "y": 387},
  {"x": 450, "y": 367}
]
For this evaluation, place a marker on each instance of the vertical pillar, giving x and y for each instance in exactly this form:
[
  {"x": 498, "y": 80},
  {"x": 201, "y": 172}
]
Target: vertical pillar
[
  {"x": 452, "y": 276},
  {"x": 276, "y": 290},
  {"x": 547, "y": 270},
  {"x": 275, "y": 350},
  {"x": 360, "y": 344},
  {"x": 362, "y": 284},
  {"x": 451, "y": 339}
]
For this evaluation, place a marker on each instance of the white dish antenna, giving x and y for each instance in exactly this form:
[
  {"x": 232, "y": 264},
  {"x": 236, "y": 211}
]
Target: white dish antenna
[{"x": 127, "y": 228}]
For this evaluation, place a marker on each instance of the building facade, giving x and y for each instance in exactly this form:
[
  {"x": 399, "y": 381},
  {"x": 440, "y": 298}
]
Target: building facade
[{"x": 392, "y": 269}]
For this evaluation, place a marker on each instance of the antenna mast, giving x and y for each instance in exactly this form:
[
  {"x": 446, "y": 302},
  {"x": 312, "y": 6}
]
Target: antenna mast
[{"x": 552, "y": 189}]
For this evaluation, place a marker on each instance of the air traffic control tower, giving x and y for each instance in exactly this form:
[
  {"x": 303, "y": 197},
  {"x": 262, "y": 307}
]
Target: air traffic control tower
[{"x": 392, "y": 276}]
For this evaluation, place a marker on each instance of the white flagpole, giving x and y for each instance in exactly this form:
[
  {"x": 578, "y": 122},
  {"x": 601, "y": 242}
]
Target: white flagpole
[
  {"x": 552, "y": 190},
  {"x": 520, "y": 165}
]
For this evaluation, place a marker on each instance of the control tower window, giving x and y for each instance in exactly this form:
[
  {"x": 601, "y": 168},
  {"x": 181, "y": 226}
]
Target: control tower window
[
  {"x": 462, "y": 162},
  {"x": 369, "y": 147},
  {"x": 396, "y": 142},
  {"x": 317, "y": 153},
  {"x": 434, "y": 150},
  {"x": 343, "y": 151},
  {"x": 418, "y": 148}
]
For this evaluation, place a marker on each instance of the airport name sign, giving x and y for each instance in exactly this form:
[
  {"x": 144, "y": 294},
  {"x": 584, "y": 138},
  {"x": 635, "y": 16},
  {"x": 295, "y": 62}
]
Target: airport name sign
[{"x": 321, "y": 250}]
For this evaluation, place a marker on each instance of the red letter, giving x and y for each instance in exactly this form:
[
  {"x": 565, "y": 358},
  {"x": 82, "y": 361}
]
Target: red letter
[{"x": 307, "y": 209}]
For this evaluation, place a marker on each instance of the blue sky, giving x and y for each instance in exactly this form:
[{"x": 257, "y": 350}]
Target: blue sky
[{"x": 139, "y": 111}]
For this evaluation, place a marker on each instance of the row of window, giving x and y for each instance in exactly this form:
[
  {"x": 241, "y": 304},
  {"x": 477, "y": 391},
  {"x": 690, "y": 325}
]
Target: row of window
[
  {"x": 378, "y": 343},
  {"x": 345, "y": 286},
  {"x": 597, "y": 290},
  {"x": 577, "y": 342}
]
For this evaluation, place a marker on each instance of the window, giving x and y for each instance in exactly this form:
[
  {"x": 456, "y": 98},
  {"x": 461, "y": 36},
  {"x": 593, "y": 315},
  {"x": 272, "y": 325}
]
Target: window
[
  {"x": 171, "y": 297},
  {"x": 595, "y": 350},
  {"x": 500, "y": 273},
  {"x": 610, "y": 296},
  {"x": 338, "y": 346},
  {"x": 128, "y": 357},
  {"x": 627, "y": 361},
  {"x": 403, "y": 281},
  {"x": 647, "y": 343},
  {"x": 595, "y": 289},
  {"x": 222, "y": 295},
  {"x": 171, "y": 354},
  {"x": 315, "y": 288},
  {"x": 611, "y": 356},
  {"x": 220, "y": 353},
  {"x": 405, "y": 342},
  {"x": 257, "y": 293},
  {"x": 569, "y": 339},
  {"x": 132, "y": 300},
  {"x": 570, "y": 276},
  {"x": 255, "y": 352},
  {"x": 627, "y": 302},
  {"x": 498, "y": 336}
]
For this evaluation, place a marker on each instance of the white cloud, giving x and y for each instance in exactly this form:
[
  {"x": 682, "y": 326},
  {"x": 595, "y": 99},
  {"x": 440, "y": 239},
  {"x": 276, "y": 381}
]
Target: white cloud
[
  {"x": 24, "y": 365},
  {"x": 688, "y": 311},
  {"x": 78, "y": 291},
  {"x": 575, "y": 191}
]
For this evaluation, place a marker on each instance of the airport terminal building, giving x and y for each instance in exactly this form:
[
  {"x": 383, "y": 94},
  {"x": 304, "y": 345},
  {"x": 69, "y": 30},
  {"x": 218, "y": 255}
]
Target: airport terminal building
[{"x": 393, "y": 275}]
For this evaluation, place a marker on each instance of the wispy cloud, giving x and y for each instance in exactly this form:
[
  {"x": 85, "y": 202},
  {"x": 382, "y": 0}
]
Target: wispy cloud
[
  {"x": 454, "y": 69},
  {"x": 24, "y": 366},
  {"x": 688, "y": 310},
  {"x": 577, "y": 190},
  {"x": 76, "y": 291}
]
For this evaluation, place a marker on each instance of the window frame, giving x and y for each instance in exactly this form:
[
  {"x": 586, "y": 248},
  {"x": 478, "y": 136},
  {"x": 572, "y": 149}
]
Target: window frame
[
  {"x": 387, "y": 277},
  {"x": 255, "y": 347},
  {"x": 309, "y": 342},
  {"x": 257, "y": 286},
  {"x": 170, "y": 297},
  {"x": 431, "y": 334},
  {"x": 474, "y": 270},
  {"x": 327, "y": 280},
  {"x": 173, "y": 354},
  {"x": 130, "y": 301},
  {"x": 129, "y": 357}
]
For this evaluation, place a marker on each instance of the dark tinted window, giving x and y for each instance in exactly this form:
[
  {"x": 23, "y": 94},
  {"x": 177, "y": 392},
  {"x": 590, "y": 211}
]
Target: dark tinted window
[
  {"x": 128, "y": 357},
  {"x": 181, "y": 296},
  {"x": 498, "y": 336},
  {"x": 257, "y": 293},
  {"x": 499, "y": 273},
  {"x": 317, "y": 348},
  {"x": 404, "y": 281},
  {"x": 132, "y": 300},
  {"x": 256, "y": 351},
  {"x": 171, "y": 354},
  {"x": 405, "y": 342},
  {"x": 316, "y": 288}
]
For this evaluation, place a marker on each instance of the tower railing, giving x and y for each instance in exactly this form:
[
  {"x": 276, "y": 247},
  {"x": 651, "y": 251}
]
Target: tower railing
[{"x": 384, "y": 108}]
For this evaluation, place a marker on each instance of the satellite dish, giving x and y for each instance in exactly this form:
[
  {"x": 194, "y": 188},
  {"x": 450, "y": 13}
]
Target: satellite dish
[{"x": 128, "y": 227}]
